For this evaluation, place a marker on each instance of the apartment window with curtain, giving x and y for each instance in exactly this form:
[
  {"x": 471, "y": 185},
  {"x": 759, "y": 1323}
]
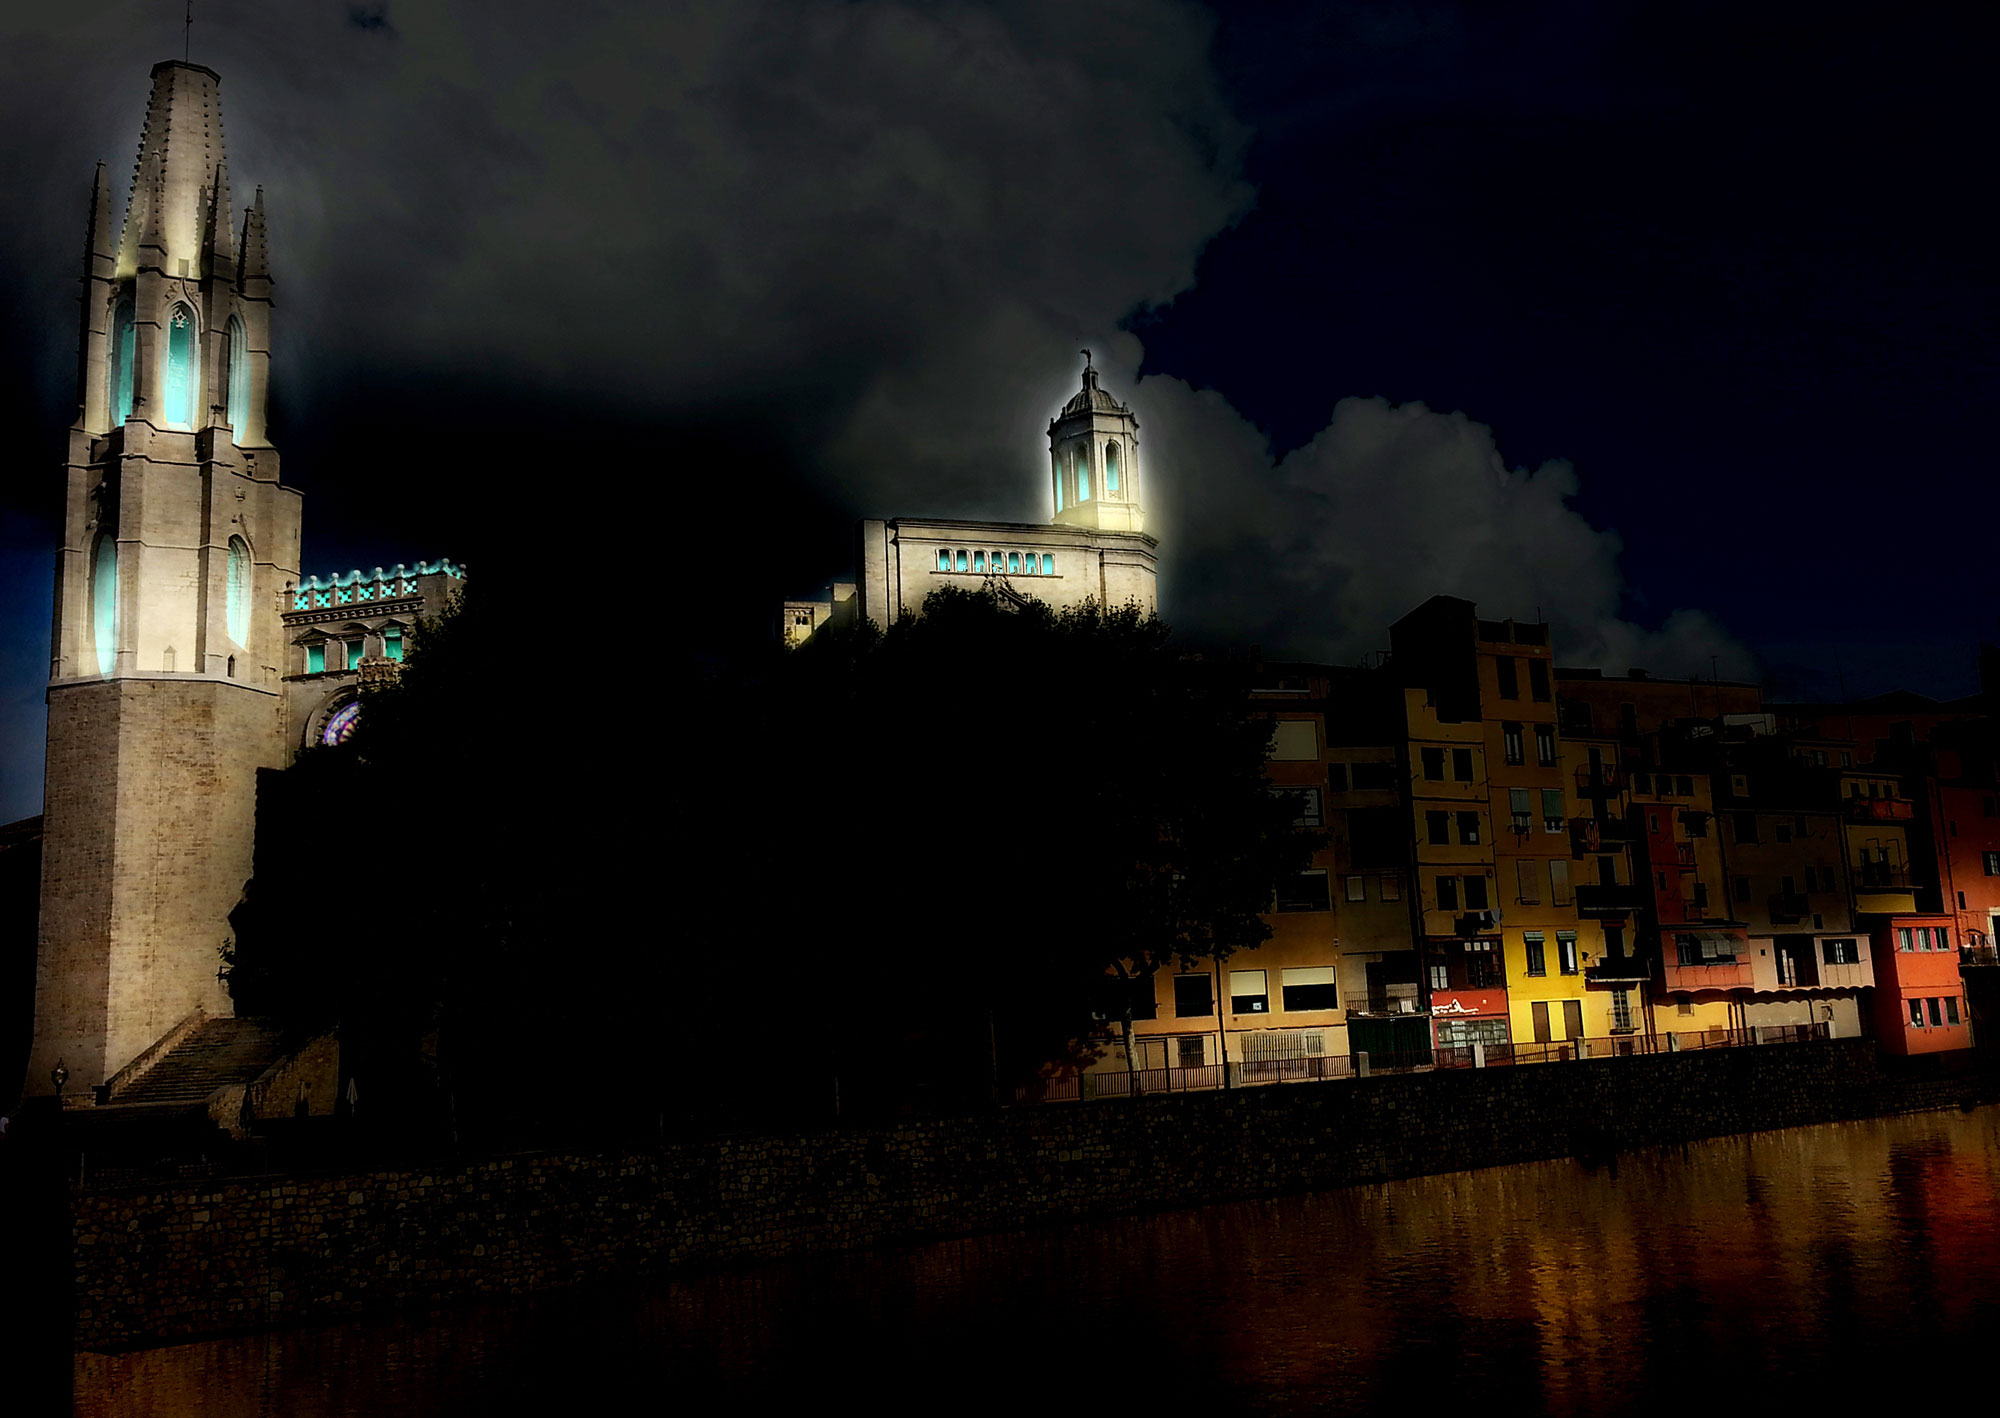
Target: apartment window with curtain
[
  {"x": 1512, "y": 743},
  {"x": 1521, "y": 808},
  {"x": 1566, "y": 952},
  {"x": 1552, "y": 810},
  {"x": 1545, "y": 745},
  {"x": 1537, "y": 953}
]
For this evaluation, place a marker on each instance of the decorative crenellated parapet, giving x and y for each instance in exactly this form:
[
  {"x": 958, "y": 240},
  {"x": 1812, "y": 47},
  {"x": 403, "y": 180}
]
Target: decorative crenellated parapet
[{"x": 364, "y": 587}]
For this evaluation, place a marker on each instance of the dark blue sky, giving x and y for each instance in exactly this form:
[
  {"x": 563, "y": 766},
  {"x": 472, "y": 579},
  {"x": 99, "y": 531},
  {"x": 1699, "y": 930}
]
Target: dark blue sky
[{"x": 1732, "y": 265}]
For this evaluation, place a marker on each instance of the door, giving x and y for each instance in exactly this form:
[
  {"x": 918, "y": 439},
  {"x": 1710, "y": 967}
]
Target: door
[
  {"x": 1573, "y": 1019},
  {"x": 1541, "y": 1009}
]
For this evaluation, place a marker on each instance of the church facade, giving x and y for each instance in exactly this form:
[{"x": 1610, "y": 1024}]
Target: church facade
[
  {"x": 1094, "y": 548},
  {"x": 186, "y": 652}
]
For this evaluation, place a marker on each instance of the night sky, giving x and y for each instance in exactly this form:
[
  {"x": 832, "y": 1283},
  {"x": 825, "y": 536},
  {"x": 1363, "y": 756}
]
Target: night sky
[{"x": 1674, "y": 322}]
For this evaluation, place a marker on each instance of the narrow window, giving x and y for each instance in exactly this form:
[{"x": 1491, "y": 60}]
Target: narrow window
[
  {"x": 123, "y": 342},
  {"x": 1440, "y": 978},
  {"x": 1552, "y": 810},
  {"x": 1475, "y": 893},
  {"x": 179, "y": 390},
  {"x": 167, "y": 659},
  {"x": 1511, "y": 743},
  {"x": 1538, "y": 961},
  {"x": 236, "y": 595},
  {"x": 1434, "y": 771},
  {"x": 354, "y": 654},
  {"x": 1447, "y": 889},
  {"x": 1559, "y": 892},
  {"x": 1438, "y": 826},
  {"x": 1059, "y": 481},
  {"x": 1520, "y": 808},
  {"x": 1048, "y": 566},
  {"x": 392, "y": 643},
  {"x": 1528, "y": 880},
  {"x": 1461, "y": 764},
  {"x": 1110, "y": 467},
  {"x": 232, "y": 667},
  {"x": 1082, "y": 473},
  {"x": 1510, "y": 677},
  {"x": 979, "y": 561},
  {"x": 1951, "y": 1009},
  {"x": 1468, "y": 828},
  {"x": 1937, "y": 1012},
  {"x": 1916, "y": 1013},
  {"x": 1013, "y": 563},
  {"x": 961, "y": 561},
  {"x": 238, "y": 365},
  {"x": 1538, "y": 680},
  {"x": 104, "y": 602},
  {"x": 1545, "y": 745},
  {"x": 316, "y": 658},
  {"x": 1903, "y": 938},
  {"x": 944, "y": 561},
  {"x": 1566, "y": 951}
]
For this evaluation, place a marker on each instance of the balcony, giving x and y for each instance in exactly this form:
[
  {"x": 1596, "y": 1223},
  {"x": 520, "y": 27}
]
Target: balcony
[
  {"x": 1618, "y": 969},
  {"x": 1707, "y": 960},
  {"x": 1789, "y": 909},
  {"x": 1978, "y": 955},
  {"x": 1601, "y": 900},
  {"x": 1880, "y": 876},
  {"x": 1594, "y": 834},
  {"x": 1878, "y": 809},
  {"x": 1597, "y": 782},
  {"x": 1684, "y": 855}
]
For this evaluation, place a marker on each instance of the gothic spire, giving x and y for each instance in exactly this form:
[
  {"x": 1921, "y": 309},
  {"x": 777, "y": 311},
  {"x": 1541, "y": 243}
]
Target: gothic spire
[
  {"x": 256, "y": 258},
  {"x": 218, "y": 247},
  {"x": 97, "y": 252},
  {"x": 179, "y": 150}
]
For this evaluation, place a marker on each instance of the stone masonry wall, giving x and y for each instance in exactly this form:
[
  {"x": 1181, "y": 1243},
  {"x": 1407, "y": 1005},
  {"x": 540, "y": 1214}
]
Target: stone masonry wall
[{"x": 163, "y": 1263}]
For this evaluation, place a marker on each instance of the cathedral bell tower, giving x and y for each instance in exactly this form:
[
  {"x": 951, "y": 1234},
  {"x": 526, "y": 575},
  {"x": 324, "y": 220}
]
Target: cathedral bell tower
[
  {"x": 164, "y": 694},
  {"x": 1094, "y": 454}
]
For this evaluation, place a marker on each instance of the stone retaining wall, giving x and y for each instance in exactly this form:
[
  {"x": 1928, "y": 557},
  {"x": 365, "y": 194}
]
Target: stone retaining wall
[{"x": 155, "y": 1264}]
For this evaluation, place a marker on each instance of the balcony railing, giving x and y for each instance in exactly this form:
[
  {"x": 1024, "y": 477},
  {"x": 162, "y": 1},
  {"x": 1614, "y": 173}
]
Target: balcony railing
[
  {"x": 1876, "y": 876},
  {"x": 1879, "y": 809},
  {"x": 1978, "y": 955},
  {"x": 1684, "y": 855},
  {"x": 1601, "y": 900},
  {"x": 1608, "y": 778}
]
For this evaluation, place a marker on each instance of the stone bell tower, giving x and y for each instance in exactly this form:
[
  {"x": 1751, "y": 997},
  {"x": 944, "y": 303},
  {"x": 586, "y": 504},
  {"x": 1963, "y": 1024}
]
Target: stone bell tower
[
  {"x": 164, "y": 694},
  {"x": 1094, "y": 453}
]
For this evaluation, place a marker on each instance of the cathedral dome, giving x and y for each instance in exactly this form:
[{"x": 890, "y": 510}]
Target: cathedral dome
[{"x": 1090, "y": 398}]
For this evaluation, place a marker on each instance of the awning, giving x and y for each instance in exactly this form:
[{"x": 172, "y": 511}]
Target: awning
[{"x": 1730, "y": 938}]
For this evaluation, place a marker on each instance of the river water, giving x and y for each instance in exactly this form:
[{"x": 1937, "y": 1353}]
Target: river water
[{"x": 1835, "y": 1267}]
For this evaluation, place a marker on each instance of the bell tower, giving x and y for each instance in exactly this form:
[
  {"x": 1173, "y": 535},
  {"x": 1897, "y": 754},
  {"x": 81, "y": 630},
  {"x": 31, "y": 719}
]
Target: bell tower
[
  {"x": 178, "y": 538},
  {"x": 1094, "y": 457}
]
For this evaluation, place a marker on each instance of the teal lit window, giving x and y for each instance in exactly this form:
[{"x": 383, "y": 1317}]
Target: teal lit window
[
  {"x": 1048, "y": 566},
  {"x": 961, "y": 561},
  {"x": 1082, "y": 473},
  {"x": 353, "y": 654},
  {"x": 979, "y": 561},
  {"x": 237, "y": 592},
  {"x": 1111, "y": 467},
  {"x": 179, "y": 391},
  {"x": 104, "y": 602},
  {"x": 1059, "y": 482},
  {"x": 315, "y": 659},
  {"x": 392, "y": 643},
  {"x": 944, "y": 561},
  {"x": 122, "y": 342},
  {"x": 239, "y": 375},
  {"x": 1014, "y": 563}
]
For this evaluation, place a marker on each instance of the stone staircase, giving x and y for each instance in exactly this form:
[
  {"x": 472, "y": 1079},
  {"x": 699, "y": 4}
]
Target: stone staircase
[{"x": 214, "y": 1055}]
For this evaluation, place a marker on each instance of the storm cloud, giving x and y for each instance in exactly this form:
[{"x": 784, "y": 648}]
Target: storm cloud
[{"x": 875, "y": 234}]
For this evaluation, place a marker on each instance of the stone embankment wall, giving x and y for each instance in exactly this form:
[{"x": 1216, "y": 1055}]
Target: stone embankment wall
[{"x": 161, "y": 1263}]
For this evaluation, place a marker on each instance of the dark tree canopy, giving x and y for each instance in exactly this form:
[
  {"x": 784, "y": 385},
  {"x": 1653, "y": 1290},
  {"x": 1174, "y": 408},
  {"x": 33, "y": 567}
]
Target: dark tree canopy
[{"x": 892, "y": 868}]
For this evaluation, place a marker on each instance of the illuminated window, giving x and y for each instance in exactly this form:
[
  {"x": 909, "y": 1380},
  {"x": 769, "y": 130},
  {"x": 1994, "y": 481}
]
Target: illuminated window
[
  {"x": 392, "y": 642},
  {"x": 238, "y": 365},
  {"x": 979, "y": 561},
  {"x": 944, "y": 561},
  {"x": 1308, "y": 987},
  {"x": 1082, "y": 473},
  {"x": 179, "y": 390},
  {"x": 123, "y": 341},
  {"x": 354, "y": 649},
  {"x": 1013, "y": 563},
  {"x": 316, "y": 658},
  {"x": 1248, "y": 992},
  {"x": 237, "y": 591},
  {"x": 1111, "y": 467},
  {"x": 961, "y": 561},
  {"x": 1048, "y": 566},
  {"x": 1059, "y": 482},
  {"x": 1440, "y": 978},
  {"x": 340, "y": 727},
  {"x": 1357, "y": 888},
  {"x": 104, "y": 602}
]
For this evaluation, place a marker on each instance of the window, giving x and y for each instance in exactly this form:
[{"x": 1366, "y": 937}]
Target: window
[
  {"x": 229, "y": 669},
  {"x": 1552, "y": 810},
  {"x": 1614, "y": 940},
  {"x": 1294, "y": 740},
  {"x": 1559, "y": 892},
  {"x": 1475, "y": 893},
  {"x": 1659, "y": 881},
  {"x": 1440, "y": 978},
  {"x": 1538, "y": 680},
  {"x": 1903, "y": 938},
  {"x": 1701, "y": 893},
  {"x": 1782, "y": 832},
  {"x": 1566, "y": 952},
  {"x": 1545, "y": 745},
  {"x": 181, "y": 373},
  {"x": 1840, "y": 952},
  {"x": 1511, "y": 743},
  {"x": 1470, "y": 1033},
  {"x": 944, "y": 561},
  {"x": 1684, "y": 1006},
  {"x": 1447, "y": 890},
  {"x": 1082, "y": 473},
  {"x": 1653, "y": 824},
  {"x": 1951, "y": 1009},
  {"x": 1304, "y": 892},
  {"x": 1013, "y": 563},
  {"x": 1916, "y": 1013},
  {"x": 392, "y": 642},
  {"x": 1621, "y": 1011},
  {"x": 1194, "y": 996},
  {"x": 1461, "y": 765},
  {"x": 1942, "y": 938},
  {"x": 1482, "y": 966},
  {"x": 1991, "y": 861},
  {"x": 1510, "y": 677},
  {"x": 1305, "y": 805},
  {"x": 1696, "y": 823},
  {"x": 1248, "y": 993},
  {"x": 122, "y": 348},
  {"x": 236, "y": 591},
  {"x": 1607, "y": 871},
  {"x": 1357, "y": 888},
  {"x": 1961, "y": 900},
  {"x": 961, "y": 562},
  {"x": 1746, "y": 826},
  {"x": 316, "y": 658},
  {"x": 1336, "y": 777},
  {"x": 1528, "y": 880},
  {"x": 354, "y": 651},
  {"x": 1192, "y": 1051},
  {"x": 1372, "y": 777},
  {"x": 979, "y": 561},
  {"x": 1437, "y": 827},
  {"x": 1468, "y": 828},
  {"x": 1111, "y": 467},
  {"x": 1392, "y": 887},
  {"x": 1742, "y": 885},
  {"x": 1521, "y": 808},
  {"x": 1308, "y": 987},
  {"x": 104, "y": 602},
  {"x": 1433, "y": 765},
  {"x": 1937, "y": 1012},
  {"x": 1538, "y": 961}
]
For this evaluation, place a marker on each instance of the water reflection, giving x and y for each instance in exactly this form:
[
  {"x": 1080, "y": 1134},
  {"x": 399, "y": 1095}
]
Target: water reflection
[{"x": 1825, "y": 1265}]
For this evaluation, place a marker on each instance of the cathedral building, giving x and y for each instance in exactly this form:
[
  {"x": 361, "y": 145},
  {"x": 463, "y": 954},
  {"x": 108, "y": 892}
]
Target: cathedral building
[
  {"x": 1095, "y": 548},
  {"x": 187, "y": 652}
]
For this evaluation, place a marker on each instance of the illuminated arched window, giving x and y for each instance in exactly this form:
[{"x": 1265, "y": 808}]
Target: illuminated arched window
[
  {"x": 340, "y": 728},
  {"x": 122, "y": 341},
  {"x": 179, "y": 389},
  {"x": 1083, "y": 472},
  {"x": 238, "y": 365},
  {"x": 237, "y": 592},
  {"x": 961, "y": 561},
  {"x": 1110, "y": 467},
  {"x": 104, "y": 602},
  {"x": 1059, "y": 482},
  {"x": 979, "y": 561},
  {"x": 944, "y": 561}
]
